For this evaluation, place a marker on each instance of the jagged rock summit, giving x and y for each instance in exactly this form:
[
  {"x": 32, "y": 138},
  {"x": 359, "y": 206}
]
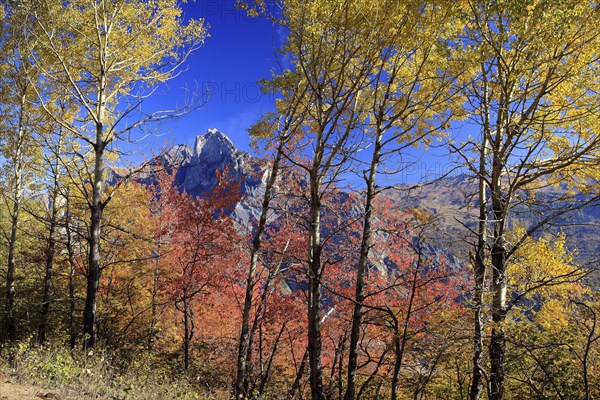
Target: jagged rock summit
[
  {"x": 213, "y": 151},
  {"x": 214, "y": 147}
]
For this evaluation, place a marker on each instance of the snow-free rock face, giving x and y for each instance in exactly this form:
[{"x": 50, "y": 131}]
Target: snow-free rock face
[
  {"x": 196, "y": 169},
  {"x": 213, "y": 151},
  {"x": 177, "y": 155},
  {"x": 215, "y": 147}
]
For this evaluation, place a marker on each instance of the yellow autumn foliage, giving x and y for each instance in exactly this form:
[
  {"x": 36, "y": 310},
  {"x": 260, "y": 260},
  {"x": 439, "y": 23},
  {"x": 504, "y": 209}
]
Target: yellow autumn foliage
[{"x": 544, "y": 267}]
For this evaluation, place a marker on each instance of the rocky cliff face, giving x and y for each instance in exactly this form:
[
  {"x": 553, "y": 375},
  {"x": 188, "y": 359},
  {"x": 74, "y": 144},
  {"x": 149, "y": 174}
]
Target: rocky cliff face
[
  {"x": 213, "y": 151},
  {"x": 196, "y": 169}
]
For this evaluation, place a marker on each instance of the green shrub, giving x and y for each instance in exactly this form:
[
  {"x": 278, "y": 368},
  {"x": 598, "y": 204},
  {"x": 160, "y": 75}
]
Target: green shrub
[{"x": 96, "y": 373}]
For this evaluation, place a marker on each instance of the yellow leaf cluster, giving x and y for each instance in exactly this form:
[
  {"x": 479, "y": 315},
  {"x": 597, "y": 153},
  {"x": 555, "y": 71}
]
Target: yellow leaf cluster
[{"x": 543, "y": 266}]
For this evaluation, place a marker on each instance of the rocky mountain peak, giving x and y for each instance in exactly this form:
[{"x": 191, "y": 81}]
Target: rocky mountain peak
[
  {"x": 214, "y": 147},
  {"x": 196, "y": 167}
]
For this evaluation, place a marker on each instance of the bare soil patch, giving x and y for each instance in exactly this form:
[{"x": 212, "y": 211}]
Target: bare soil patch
[{"x": 11, "y": 389}]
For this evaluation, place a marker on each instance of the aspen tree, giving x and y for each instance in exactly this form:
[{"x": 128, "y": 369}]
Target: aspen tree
[
  {"x": 109, "y": 56},
  {"x": 535, "y": 96}
]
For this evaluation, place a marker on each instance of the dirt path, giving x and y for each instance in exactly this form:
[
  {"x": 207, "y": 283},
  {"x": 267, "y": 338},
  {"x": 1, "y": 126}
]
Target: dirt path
[
  {"x": 15, "y": 391},
  {"x": 10, "y": 389}
]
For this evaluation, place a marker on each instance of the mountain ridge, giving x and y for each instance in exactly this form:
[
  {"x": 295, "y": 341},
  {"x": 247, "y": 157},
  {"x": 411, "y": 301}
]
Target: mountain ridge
[{"x": 449, "y": 200}]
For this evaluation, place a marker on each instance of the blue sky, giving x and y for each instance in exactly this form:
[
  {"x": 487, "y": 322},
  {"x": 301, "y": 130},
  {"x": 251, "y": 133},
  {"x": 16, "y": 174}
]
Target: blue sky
[{"x": 238, "y": 53}]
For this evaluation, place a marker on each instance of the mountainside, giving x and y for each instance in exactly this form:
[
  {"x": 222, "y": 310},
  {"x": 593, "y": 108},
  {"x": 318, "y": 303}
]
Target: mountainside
[
  {"x": 213, "y": 151},
  {"x": 452, "y": 202},
  {"x": 196, "y": 168},
  {"x": 449, "y": 200}
]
